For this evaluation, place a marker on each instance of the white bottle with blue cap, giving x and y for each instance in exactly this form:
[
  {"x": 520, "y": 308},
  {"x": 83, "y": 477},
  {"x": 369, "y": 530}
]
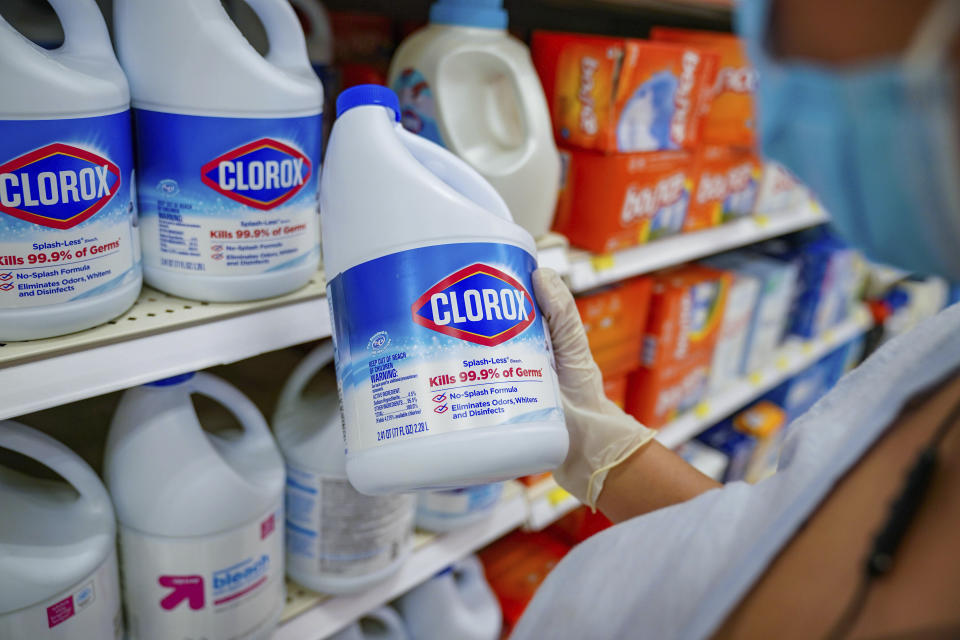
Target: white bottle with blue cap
[
  {"x": 200, "y": 514},
  {"x": 467, "y": 84},
  {"x": 444, "y": 362},
  {"x": 228, "y": 148}
]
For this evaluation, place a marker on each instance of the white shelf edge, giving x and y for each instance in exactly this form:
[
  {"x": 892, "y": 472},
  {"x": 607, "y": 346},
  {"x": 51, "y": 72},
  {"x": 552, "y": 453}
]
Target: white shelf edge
[
  {"x": 68, "y": 377},
  {"x": 792, "y": 358},
  {"x": 332, "y": 615},
  {"x": 583, "y": 273}
]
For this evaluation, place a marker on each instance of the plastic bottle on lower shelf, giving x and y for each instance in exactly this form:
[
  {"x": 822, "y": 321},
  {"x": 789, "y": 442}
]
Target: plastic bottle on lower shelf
[
  {"x": 441, "y": 511},
  {"x": 58, "y": 568},
  {"x": 380, "y": 624},
  {"x": 456, "y": 603},
  {"x": 199, "y": 514},
  {"x": 338, "y": 540},
  {"x": 69, "y": 247}
]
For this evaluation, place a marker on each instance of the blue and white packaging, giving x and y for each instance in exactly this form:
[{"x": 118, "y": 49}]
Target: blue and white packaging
[
  {"x": 444, "y": 363},
  {"x": 442, "y": 511},
  {"x": 228, "y": 148},
  {"x": 69, "y": 247}
]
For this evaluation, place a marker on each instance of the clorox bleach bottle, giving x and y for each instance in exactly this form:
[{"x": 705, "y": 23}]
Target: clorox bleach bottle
[
  {"x": 58, "y": 561},
  {"x": 69, "y": 248},
  {"x": 383, "y": 623},
  {"x": 338, "y": 540},
  {"x": 228, "y": 148},
  {"x": 467, "y": 84},
  {"x": 441, "y": 511},
  {"x": 444, "y": 362},
  {"x": 199, "y": 514},
  {"x": 456, "y": 603}
]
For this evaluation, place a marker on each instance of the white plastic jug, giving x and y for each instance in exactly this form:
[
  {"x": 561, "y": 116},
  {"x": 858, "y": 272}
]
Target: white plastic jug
[
  {"x": 58, "y": 562},
  {"x": 380, "y": 624},
  {"x": 228, "y": 148},
  {"x": 467, "y": 84},
  {"x": 441, "y": 511},
  {"x": 200, "y": 514},
  {"x": 69, "y": 248},
  {"x": 338, "y": 540},
  {"x": 456, "y": 603},
  {"x": 444, "y": 362}
]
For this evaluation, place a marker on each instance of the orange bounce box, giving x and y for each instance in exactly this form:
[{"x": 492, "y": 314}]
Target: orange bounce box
[
  {"x": 610, "y": 202},
  {"x": 685, "y": 315},
  {"x": 614, "y": 319},
  {"x": 616, "y": 390},
  {"x": 731, "y": 118},
  {"x": 615, "y": 94},
  {"x": 727, "y": 183}
]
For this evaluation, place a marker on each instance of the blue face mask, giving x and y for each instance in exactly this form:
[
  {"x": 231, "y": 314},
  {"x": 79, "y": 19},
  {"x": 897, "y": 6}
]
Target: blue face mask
[{"x": 877, "y": 144}]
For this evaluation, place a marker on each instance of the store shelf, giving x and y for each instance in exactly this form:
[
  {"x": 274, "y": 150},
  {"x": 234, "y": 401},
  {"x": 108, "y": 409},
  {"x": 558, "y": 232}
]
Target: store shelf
[
  {"x": 548, "y": 502},
  {"x": 311, "y": 616},
  {"x": 160, "y": 336},
  {"x": 588, "y": 271},
  {"x": 795, "y": 356}
]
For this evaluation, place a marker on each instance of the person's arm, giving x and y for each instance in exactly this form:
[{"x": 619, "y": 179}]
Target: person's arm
[{"x": 613, "y": 462}]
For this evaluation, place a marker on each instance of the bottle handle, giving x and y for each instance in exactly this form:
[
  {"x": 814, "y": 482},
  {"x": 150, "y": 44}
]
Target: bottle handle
[
  {"x": 84, "y": 30},
  {"x": 254, "y": 425},
  {"x": 288, "y": 47},
  {"x": 456, "y": 173},
  {"x": 57, "y": 457},
  {"x": 303, "y": 374},
  {"x": 391, "y": 621}
]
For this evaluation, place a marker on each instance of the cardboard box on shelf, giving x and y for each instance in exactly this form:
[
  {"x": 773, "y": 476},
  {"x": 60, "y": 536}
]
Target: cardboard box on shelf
[
  {"x": 687, "y": 308},
  {"x": 727, "y": 364},
  {"x": 618, "y": 94},
  {"x": 615, "y": 389},
  {"x": 771, "y": 314},
  {"x": 731, "y": 119},
  {"x": 609, "y": 202},
  {"x": 779, "y": 190},
  {"x": 726, "y": 184},
  {"x": 614, "y": 318}
]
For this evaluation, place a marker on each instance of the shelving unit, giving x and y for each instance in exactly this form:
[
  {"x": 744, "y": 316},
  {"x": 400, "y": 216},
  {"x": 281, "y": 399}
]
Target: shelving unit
[
  {"x": 548, "y": 502},
  {"x": 588, "y": 271},
  {"x": 163, "y": 335}
]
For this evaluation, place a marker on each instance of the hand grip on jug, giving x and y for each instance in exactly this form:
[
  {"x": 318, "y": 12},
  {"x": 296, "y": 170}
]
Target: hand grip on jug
[
  {"x": 288, "y": 48},
  {"x": 305, "y": 371},
  {"x": 57, "y": 457},
  {"x": 456, "y": 173},
  {"x": 254, "y": 425},
  {"x": 84, "y": 31}
]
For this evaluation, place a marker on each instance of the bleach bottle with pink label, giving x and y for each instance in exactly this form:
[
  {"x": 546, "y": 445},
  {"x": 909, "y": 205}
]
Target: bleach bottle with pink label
[
  {"x": 69, "y": 246},
  {"x": 58, "y": 560},
  {"x": 200, "y": 514},
  {"x": 443, "y": 359},
  {"x": 228, "y": 148}
]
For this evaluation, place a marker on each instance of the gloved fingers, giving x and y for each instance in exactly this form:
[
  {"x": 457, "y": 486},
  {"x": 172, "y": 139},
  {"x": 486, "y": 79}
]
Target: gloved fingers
[{"x": 577, "y": 371}]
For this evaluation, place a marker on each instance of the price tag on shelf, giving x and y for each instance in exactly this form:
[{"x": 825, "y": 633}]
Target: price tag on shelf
[
  {"x": 761, "y": 220},
  {"x": 807, "y": 348},
  {"x": 602, "y": 262},
  {"x": 558, "y": 496},
  {"x": 702, "y": 410},
  {"x": 830, "y": 336},
  {"x": 783, "y": 363},
  {"x": 756, "y": 378}
]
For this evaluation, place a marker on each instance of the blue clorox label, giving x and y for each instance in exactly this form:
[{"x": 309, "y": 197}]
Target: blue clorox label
[
  {"x": 228, "y": 196},
  {"x": 67, "y": 219},
  {"x": 440, "y": 339}
]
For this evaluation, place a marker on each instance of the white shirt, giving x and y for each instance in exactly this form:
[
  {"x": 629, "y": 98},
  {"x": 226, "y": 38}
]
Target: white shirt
[{"x": 678, "y": 572}]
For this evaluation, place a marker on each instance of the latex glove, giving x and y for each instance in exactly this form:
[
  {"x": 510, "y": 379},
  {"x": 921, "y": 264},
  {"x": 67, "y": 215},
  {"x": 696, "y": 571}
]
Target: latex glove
[{"x": 601, "y": 434}]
